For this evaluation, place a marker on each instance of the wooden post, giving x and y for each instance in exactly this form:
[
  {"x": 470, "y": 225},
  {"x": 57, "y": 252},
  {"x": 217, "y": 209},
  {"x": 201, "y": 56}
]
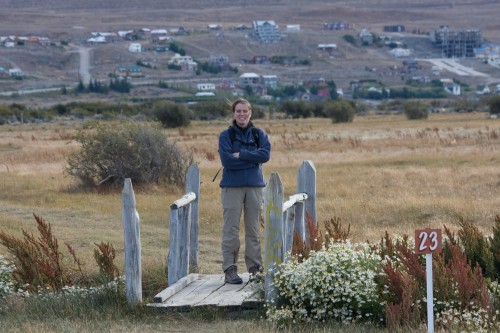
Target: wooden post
[
  {"x": 180, "y": 229},
  {"x": 132, "y": 244},
  {"x": 183, "y": 254},
  {"x": 273, "y": 232},
  {"x": 300, "y": 219},
  {"x": 193, "y": 185},
  {"x": 288, "y": 227},
  {"x": 306, "y": 183}
]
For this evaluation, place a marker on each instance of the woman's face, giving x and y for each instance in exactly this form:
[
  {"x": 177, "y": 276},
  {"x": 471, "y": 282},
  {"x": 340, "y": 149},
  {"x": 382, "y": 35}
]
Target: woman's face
[{"x": 242, "y": 114}]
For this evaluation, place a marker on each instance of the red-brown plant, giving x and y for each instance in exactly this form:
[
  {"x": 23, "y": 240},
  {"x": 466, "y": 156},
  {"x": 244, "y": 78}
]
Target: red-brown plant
[{"x": 104, "y": 255}]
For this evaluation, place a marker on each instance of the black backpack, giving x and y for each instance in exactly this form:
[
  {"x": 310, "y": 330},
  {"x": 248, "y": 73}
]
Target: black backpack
[{"x": 255, "y": 134}]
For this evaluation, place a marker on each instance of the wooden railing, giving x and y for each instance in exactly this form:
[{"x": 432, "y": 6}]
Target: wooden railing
[
  {"x": 282, "y": 218},
  {"x": 183, "y": 256}
]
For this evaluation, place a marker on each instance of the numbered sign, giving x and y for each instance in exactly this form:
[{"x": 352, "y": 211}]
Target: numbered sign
[{"x": 428, "y": 241}]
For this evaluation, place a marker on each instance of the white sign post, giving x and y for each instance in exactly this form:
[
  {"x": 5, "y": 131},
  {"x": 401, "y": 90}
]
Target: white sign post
[{"x": 428, "y": 241}]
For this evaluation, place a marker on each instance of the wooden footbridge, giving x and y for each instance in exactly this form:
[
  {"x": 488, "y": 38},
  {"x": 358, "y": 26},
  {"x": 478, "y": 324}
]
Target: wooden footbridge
[
  {"x": 196, "y": 290},
  {"x": 186, "y": 291}
]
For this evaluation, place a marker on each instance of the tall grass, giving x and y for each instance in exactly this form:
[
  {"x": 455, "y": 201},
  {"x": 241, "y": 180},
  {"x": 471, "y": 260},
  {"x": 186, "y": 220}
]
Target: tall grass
[{"x": 376, "y": 173}]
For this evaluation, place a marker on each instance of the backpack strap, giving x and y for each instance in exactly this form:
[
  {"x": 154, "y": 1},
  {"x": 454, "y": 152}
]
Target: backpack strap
[{"x": 255, "y": 134}]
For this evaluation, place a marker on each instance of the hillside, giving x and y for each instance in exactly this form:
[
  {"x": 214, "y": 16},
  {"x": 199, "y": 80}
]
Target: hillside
[{"x": 73, "y": 21}]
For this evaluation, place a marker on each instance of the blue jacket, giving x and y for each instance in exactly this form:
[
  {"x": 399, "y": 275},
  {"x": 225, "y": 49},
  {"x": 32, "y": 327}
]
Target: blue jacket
[{"x": 247, "y": 169}]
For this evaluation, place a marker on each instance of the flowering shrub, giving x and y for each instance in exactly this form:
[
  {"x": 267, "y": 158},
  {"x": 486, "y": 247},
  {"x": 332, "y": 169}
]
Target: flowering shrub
[
  {"x": 384, "y": 283},
  {"x": 472, "y": 319},
  {"x": 337, "y": 282},
  {"x": 6, "y": 284}
]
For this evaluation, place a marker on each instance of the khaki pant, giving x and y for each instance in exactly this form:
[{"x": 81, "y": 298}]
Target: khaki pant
[{"x": 234, "y": 201}]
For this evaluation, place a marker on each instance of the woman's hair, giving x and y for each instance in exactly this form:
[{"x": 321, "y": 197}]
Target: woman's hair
[{"x": 241, "y": 101}]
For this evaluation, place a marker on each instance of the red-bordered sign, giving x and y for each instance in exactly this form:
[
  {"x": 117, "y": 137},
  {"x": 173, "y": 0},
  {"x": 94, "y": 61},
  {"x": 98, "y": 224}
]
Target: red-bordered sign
[{"x": 428, "y": 241}]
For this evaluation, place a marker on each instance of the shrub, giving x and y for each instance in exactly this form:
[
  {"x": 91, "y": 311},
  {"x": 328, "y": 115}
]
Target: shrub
[
  {"x": 495, "y": 247},
  {"x": 172, "y": 115},
  {"x": 494, "y": 104},
  {"x": 350, "y": 39},
  {"x": 104, "y": 256},
  {"x": 416, "y": 110},
  {"x": 139, "y": 151},
  {"x": 476, "y": 247},
  {"x": 38, "y": 261},
  {"x": 339, "y": 111},
  {"x": 210, "y": 110},
  {"x": 297, "y": 109},
  {"x": 337, "y": 282},
  {"x": 6, "y": 285}
]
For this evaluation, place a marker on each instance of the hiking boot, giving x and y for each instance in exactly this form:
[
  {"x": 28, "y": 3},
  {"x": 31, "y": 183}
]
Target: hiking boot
[
  {"x": 256, "y": 273},
  {"x": 232, "y": 276}
]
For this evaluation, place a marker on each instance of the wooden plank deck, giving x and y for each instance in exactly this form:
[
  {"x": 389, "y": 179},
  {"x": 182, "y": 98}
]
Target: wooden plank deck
[{"x": 196, "y": 290}]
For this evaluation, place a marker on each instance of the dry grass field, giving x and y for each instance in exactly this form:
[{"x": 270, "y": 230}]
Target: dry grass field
[{"x": 378, "y": 173}]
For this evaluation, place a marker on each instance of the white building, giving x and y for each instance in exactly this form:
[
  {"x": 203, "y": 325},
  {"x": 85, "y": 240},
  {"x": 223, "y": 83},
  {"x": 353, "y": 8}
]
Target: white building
[
  {"x": 400, "y": 52},
  {"x": 249, "y": 79},
  {"x": 135, "y": 48},
  {"x": 205, "y": 86}
]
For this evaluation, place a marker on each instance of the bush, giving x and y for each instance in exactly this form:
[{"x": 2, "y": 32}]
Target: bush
[
  {"x": 494, "y": 104},
  {"x": 210, "y": 110},
  {"x": 416, "y": 110},
  {"x": 139, "y": 151},
  {"x": 297, "y": 109},
  {"x": 172, "y": 115},
  {"x": 335, "y": 283},
  {"x": 38, "y": 261},
  {"x": 339, "y": 111},
  {"x": 385, "y": 282}
]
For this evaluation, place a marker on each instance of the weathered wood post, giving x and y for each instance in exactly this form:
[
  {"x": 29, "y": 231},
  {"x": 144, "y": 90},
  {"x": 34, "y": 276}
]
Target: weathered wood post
[
  {"x": 273, "y": 232},
  {"x": 293, "y": 218},
  {"x": 193, "y": 185},
  {"x": 132, "y": 244},
  {"x": 306, "y": 183},
  {"x": 183, "y": 253}
]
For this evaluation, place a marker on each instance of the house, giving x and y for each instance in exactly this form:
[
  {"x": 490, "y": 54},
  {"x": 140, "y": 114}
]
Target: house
[
  {"x": 338, "y": 25},
  {"x": 135, "y": 48},
  {"x": 219, "y": 59},
  {"x": 205, "y": 86},
  {"x": 366, "y": 37},
  {"x": 214, "y": 26},
  {"x": 186, "y": 62},
  {"x": 270, "y": 81},
  {"x": 451, "y": 87},
  {"x": 108, "y": 37},
  {"x": 293, "y": 27},
  {"x": 482, "y": 89},
  {"x": 394, "y": 28},
  {"x": 266, "y": 31},
  {"x": 126, "y": 34},
  {"x": 158, "y": 35},
  {"x": 260, "y": 59},
  {"x": 400, "y": 52},
  {"x": 4, "y": 72},
  {"x": 16, "y": 72},
  {"x": 226, "y": 84},
  {"x": 205, "y": 94},
  {"x": 128, "y": 71},
  {"x": 327, "y": 47},
  {"x": 97, "y": 40},
  {"x": 247, "y": 79}
]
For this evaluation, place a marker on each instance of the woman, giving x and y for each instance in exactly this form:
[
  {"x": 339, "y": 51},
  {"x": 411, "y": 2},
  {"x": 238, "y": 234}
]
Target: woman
[{"x": 242, "y": 150}]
